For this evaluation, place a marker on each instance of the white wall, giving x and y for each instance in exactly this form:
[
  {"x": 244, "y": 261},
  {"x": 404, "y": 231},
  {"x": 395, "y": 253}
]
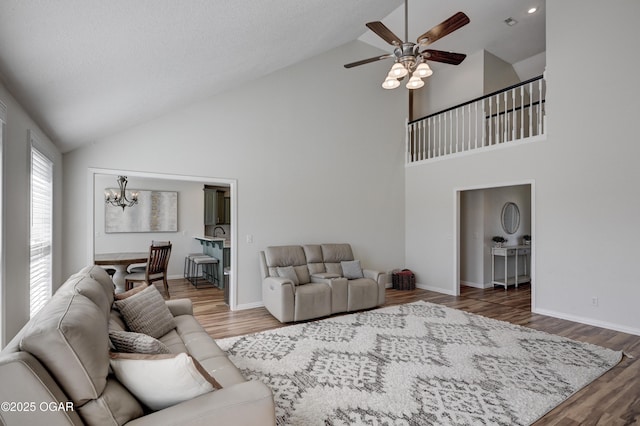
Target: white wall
[
  {"x": 16, "y": 214},
  {"x": 190, "y": 220},
  {"x": 317, "y": 151},
  {"x": 586, "y": 177}
]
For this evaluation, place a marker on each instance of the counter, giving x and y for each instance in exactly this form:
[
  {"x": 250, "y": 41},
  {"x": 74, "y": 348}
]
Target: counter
[{"x": 220, "y": 248}]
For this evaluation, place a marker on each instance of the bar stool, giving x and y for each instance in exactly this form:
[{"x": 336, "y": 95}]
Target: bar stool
[
  {"x": 205, "y": 263},
  {"x": 188, "y": 264}
]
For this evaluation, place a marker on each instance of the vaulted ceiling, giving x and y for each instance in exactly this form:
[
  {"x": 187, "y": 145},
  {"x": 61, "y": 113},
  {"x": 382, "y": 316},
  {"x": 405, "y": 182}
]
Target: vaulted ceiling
[{"x": 88, "y": 69}]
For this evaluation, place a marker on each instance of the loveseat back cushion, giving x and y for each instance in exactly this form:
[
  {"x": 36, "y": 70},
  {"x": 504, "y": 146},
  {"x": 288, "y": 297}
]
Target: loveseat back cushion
[
  {"x": 280, "y": 260},
  {"x": 69, "y": 337},
  {"x": 284, "y": 256},
  {"x": 315, "y": 263},
  {"x": 334, "y": 254}
]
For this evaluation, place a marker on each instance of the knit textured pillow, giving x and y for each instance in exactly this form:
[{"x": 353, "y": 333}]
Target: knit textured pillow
[
  {"x": 126, "y": 341},
  {"x": 146, "y": 312}
]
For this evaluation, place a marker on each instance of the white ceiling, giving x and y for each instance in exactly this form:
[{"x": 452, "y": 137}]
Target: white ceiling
[{"x": 87, "y": 69}]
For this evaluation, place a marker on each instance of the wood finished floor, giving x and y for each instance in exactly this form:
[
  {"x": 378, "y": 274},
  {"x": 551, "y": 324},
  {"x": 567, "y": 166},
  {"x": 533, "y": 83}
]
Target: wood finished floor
[{"x": 613, "y": 399}]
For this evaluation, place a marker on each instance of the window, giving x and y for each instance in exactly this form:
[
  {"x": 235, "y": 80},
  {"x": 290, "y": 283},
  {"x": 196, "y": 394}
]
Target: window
[{"x": 41, "y": 228}]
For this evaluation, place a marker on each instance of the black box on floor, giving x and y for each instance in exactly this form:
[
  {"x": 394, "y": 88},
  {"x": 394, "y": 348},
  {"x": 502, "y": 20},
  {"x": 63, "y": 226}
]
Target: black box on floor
[{"x": 403, "y": 280}]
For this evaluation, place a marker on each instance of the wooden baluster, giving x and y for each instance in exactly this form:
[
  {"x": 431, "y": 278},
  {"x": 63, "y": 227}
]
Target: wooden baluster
[
  {"x": 513, "y": 113},
  {"x": 530, "y": 109}
]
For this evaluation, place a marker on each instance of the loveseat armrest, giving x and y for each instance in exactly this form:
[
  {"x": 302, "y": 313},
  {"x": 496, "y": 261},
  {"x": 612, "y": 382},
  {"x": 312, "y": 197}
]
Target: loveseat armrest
[
  {"x": 377, "y": 276},
  {"x": 380, "y": 278},
  {"x": 244, "y": 404},
  {"x": 278, "y": 296},
  {"x": 180, "y": 307}
]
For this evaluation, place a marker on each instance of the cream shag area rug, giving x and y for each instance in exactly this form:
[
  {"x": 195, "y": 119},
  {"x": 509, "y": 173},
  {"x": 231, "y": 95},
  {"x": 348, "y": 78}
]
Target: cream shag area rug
[{"x": 416, "y": 364}]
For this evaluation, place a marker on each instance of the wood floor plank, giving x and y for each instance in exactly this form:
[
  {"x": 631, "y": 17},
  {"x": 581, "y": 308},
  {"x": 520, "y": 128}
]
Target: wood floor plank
[{"x": 613, "y": 399}]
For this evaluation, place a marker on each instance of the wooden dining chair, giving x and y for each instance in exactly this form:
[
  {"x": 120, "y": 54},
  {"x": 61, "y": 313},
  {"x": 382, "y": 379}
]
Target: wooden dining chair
[{"x": 156, "y": 270}]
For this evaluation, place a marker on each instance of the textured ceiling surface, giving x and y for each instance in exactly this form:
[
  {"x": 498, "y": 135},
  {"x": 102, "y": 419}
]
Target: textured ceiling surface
[{"x": 85, "y": 69}]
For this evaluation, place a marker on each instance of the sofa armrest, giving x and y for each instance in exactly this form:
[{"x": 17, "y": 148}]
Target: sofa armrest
[
  {"x": 244, "y": 404},
  {"x": 25, "y": 381},
  {"x": 180, "y": 307},
  {"x": 278, "y": 296}
]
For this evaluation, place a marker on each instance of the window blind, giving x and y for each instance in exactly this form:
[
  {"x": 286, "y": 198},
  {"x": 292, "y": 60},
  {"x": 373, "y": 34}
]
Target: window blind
[{"x": 41, "y": 229}]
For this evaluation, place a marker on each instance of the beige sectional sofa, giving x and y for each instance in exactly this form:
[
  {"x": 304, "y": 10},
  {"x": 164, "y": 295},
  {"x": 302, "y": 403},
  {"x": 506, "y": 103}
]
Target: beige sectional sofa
[
  {"x": 57, "y": 370},
  {"x": 301, "y": 282}
]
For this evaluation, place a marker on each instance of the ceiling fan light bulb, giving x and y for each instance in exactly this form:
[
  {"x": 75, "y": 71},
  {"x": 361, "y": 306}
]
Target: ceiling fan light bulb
[
  {"x": 423, "y": 70},
  {"x": 398, "y": 70},
  {"x": 415, "y": 83},
  {"x": 390, "y": 83}
]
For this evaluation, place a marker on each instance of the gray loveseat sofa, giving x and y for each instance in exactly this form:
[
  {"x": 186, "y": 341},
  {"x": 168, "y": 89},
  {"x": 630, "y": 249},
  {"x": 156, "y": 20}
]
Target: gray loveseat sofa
[
  {"x": 56, "y": 371},
  {"x": 302, "y": 282}
]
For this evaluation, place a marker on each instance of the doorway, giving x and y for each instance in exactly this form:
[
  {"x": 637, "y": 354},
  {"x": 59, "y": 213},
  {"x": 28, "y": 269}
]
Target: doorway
[
  {"x": 480, "y": 212},
  {"x": 184, "y": 233}
]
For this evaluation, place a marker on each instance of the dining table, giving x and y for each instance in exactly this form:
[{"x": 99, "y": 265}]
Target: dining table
[{"x": 120, "y": 262}]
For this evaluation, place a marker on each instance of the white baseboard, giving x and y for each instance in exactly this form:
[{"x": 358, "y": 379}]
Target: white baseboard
[
  {"x": 252, "y": 305},
  {"x": 588, "y": 321},
  {"x": 475, "y": 285},
  {"x": 436, "y": 289}
]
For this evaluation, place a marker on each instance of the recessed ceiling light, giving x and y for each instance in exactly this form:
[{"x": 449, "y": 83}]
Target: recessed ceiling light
[
  {"x": 532, "y": 10},
  {"x": 510, "y": 21}
]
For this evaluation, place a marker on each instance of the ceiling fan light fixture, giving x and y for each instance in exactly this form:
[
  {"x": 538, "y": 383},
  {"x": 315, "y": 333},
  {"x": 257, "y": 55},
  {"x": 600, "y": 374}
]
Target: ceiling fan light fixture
[
  {"x": 390, "y": 83},
  {"x": 415, "y": 83},
  {"x": 398, "y": 70},
  {"x": 423, "y": 70}
]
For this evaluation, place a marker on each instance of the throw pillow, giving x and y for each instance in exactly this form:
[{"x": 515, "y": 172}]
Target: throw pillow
[
  {"x": 351, "y": 269},
  {"x": 129, "y": 293},
  {"x": 288, "y": 272},
  {"x": 126, "y": 341},
  {"x": 147, "y": 313},
  {"x": 160, "y": 381}
]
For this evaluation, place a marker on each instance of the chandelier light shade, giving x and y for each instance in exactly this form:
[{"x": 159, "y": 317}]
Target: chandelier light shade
[
  {"x": 390, "y": 83},
  {"x": 415, "y": 82},
  {"x": 398, "y": 70},
  {"x": 423, "y": 70},
  {"x": 120, "y": 199}
]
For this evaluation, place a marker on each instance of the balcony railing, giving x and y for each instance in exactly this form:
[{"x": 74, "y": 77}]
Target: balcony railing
[{"x": 508, "y": 115}]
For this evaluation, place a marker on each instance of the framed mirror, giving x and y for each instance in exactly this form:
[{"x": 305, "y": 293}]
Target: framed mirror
[{"x": 510, "y": 217}]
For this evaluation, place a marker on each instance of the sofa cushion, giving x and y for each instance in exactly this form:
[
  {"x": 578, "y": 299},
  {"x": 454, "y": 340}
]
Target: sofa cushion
[
  {"x": 115, "y": 404},
  {"x": 160, "y": 381},
  {"x": 146, "y": 312},
  {"x": 126, "y": 341},
  {"x": 92, "y": 282},
  {"x": 69, "y": 337},
  {"x": 351, "y": 269}
]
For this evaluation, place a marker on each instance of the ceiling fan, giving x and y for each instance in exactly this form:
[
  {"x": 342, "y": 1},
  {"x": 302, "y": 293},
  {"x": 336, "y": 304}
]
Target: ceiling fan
[{"x": 408, "y": 57}]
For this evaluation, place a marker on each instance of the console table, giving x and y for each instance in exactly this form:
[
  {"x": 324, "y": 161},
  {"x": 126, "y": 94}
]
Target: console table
[{"x": 518, "y": 276}]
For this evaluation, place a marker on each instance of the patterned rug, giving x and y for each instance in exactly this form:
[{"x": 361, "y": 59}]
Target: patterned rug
[{"x": 416, "y": 364}]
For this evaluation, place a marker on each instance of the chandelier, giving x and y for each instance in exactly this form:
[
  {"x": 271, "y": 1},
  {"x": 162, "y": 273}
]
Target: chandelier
[{"x": 120, "y": 199}]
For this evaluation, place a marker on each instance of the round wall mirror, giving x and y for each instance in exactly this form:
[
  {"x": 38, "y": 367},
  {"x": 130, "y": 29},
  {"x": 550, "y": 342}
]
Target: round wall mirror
[{"x": 510, "y": 217}]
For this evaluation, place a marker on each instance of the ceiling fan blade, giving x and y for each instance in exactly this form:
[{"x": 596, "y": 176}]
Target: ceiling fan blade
[
  {"x": 366, "y": 61},
  {"x": 456, "y": 22},
  {"x": 384, "y": 33},
  {"x": 444, "y": 57}
]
